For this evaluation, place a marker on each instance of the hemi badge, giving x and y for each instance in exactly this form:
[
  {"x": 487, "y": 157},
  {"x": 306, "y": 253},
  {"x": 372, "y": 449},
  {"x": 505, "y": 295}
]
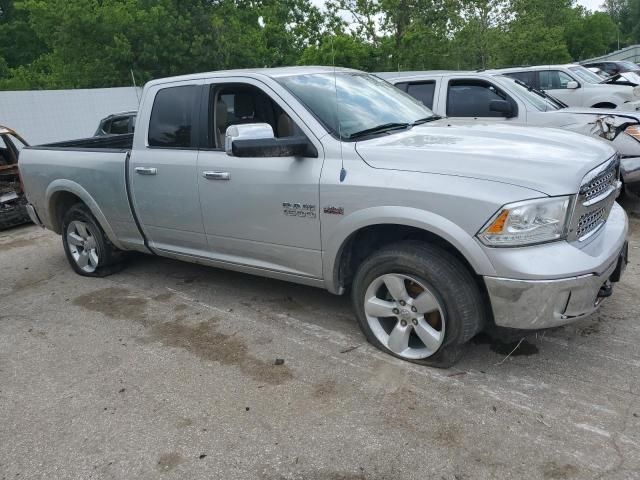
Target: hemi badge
[{"x": 334, "y": 210}]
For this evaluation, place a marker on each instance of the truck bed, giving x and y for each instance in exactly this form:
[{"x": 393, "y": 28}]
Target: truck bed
[
  {"x": 102, "y": 143},
  {"x": 92, "y": 169}
]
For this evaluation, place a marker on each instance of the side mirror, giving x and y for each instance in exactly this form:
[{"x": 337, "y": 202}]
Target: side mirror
[
  {"x": 257, "y": 140},
  {"x": 247, "y": 131},
  {"x": 572, "y": 85},
  {"x": 501, "y": 106}
]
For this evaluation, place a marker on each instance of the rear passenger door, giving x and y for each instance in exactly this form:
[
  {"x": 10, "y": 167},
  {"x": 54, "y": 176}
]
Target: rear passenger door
[
  {"x": 260, "y": 212},
  {"x": 163, "y": 170},
  {"x": 468, "y": 98}
]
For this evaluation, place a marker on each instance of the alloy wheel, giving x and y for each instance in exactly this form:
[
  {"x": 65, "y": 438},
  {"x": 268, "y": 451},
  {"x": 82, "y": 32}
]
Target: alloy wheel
[
  {"x": 405, "y": 316},
  {"x": 82, "y": 246}
]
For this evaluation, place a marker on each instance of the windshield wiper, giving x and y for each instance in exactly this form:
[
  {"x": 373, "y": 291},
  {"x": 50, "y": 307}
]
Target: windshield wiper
[
  {"x": 385, "y": 127},
  {"x": 420, "y": 121},
  {"x": 541, "y": 93}
]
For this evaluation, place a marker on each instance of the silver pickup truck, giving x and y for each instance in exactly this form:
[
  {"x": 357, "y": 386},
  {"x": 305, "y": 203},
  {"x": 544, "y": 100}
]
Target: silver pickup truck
[{"x": 339, "y": 180}]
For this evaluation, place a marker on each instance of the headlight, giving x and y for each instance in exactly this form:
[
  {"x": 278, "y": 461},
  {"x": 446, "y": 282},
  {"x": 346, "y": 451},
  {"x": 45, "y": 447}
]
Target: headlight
[
  {"x": 527, "y": 223},
  {"x": 634, "y": 131}
]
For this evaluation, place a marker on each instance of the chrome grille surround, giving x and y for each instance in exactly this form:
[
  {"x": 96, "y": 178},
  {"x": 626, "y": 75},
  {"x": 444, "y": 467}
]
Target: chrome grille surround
[{"x": 598, "y": 192}]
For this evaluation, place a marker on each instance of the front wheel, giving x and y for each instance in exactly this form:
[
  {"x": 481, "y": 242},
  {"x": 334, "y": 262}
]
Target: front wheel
[{"x": 417, "y": 302}]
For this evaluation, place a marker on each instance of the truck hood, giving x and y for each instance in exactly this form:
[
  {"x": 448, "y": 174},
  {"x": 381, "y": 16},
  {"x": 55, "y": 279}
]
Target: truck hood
[
  {"x": 549, "y": 161},
  {"x": 629, "y": 92}
]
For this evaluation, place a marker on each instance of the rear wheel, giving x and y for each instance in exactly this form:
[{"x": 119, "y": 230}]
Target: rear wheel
[
  {"x": 417, "y": 302},
  {"x": 88, "y": 249}
]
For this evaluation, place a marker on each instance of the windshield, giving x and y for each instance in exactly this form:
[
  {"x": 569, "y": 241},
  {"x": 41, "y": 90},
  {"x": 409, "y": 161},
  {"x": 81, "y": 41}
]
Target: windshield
[
  {"x": 364, "y": 102},
  {"x": 534, "y": 98},
  {"x": 586, "y": 74},
  {"x": 632, "y": 67}
]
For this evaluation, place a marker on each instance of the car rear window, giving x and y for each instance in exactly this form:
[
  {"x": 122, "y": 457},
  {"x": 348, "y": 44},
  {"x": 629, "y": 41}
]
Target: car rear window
[{"x": 171, "y": 123}]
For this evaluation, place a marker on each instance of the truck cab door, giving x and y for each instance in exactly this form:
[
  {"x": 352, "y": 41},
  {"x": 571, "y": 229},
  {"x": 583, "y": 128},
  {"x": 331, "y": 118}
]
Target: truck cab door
[
  {"x": 259, "y": 212},
  {"x": 163, "y": 171}
]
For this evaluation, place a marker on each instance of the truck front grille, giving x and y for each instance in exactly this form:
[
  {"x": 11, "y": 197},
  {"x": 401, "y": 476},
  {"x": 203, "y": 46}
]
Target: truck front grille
[
  {"x": 595, "y": 200},
  {"x": 591, "y": 221},
  {"x": 599, "y": 185}
]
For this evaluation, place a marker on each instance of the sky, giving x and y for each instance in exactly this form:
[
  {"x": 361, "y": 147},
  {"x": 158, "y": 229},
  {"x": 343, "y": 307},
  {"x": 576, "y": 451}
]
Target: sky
[{"x": 591, "y": 4}]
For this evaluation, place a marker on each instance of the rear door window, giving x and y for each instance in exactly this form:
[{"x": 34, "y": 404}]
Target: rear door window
[
  {"x": 172, "y": 117},
  {"x": 422, "y": 91}
]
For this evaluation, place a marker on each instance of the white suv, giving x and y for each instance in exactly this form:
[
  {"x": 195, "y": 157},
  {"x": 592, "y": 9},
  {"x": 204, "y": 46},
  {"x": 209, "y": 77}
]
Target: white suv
[{"x": 577, "y": 86}]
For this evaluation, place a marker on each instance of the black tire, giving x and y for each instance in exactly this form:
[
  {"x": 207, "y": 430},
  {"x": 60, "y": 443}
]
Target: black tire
[
  {"x": 446, "y": 278},
  {"x": 110, "y": 259}
]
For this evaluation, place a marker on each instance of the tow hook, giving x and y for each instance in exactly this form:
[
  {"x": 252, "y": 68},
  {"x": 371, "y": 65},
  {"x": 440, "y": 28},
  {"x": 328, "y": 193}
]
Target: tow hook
[{"x": 605, "y": 290}]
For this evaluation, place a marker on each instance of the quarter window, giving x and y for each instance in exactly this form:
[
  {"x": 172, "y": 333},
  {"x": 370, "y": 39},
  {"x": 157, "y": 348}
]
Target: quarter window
[
  {"x": 468, "y": 98},
  {"x": 422, "y": 91},
  {"x": 171, "y": 123},
  {"x": 554, "y": 80}
]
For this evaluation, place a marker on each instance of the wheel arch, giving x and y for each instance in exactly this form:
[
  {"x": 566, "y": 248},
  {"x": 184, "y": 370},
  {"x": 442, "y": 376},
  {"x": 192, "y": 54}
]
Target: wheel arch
[
  {"x": 383, "y": 225},
  {"x": 605, "y": 104},
  {"x": 59, "y": 197}
]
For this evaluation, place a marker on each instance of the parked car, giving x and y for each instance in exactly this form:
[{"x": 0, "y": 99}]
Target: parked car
[
  {"x": 476, "y": 96},
  {"x": 13, "y": 203},
  {"x": 614, "y": 67},
  {"x": 117, "y": 124},
  {"x": 601, "y": 73},
  {"x": 336, "y": 179},
  {"x": 577, "y": 86}
]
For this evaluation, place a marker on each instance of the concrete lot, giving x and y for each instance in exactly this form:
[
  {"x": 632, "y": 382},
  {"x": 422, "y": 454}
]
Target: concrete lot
[{"x": 166, "y": 370}]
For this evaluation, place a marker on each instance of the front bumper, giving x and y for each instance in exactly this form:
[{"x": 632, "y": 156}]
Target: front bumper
[{"x": 535, "y": 303}]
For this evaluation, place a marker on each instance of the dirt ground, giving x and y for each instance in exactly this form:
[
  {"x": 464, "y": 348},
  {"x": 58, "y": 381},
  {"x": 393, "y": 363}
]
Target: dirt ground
[{"x": 168, "y": 370}]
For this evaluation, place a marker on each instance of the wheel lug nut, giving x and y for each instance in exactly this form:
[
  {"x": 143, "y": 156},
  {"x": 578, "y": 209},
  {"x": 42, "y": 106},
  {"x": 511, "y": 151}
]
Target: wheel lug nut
[
  {"x": 403, "y": 303},
  {"x": 414, "y": 309},
  {"x": 396, "y": 311},
  {"x": 415, "y": 321},
  {"x": 403, "y": 323}
]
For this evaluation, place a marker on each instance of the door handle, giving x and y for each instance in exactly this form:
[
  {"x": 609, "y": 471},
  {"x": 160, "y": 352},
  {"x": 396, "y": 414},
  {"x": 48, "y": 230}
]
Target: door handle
[
  {"x": 146, "y": 170},
  {"x": 217, "y": 175}
]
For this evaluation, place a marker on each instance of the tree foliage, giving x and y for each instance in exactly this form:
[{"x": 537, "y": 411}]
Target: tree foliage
[{"x": 98, "y": 43}]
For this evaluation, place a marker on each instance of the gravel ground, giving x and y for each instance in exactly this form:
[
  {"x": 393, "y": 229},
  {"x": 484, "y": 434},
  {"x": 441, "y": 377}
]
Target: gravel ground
[{"x": 167, "y": 370}]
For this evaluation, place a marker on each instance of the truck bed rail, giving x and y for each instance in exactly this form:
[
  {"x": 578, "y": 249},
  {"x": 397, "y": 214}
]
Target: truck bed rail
[{"x": 106, "y": 142}]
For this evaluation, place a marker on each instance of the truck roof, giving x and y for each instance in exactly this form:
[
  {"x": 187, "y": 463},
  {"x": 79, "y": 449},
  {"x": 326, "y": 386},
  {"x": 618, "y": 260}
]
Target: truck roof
[
  {"x": 427, "y": 73},
  {"x": 534, "y": 67},
  {"x": 267, "y": 72}
]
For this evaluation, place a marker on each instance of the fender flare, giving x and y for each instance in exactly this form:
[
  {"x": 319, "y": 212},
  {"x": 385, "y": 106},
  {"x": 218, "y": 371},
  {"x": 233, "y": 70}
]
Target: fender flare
[
  {"x": 612, "y": 99},
  {"x": 64, "y": 185},
  {"x": 430, "y": 222}
]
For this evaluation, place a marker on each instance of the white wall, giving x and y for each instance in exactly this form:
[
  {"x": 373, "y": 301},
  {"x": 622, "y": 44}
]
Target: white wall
[
  {"x": 631, "y": 54},
  {"x": 43, "y": 116}
]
